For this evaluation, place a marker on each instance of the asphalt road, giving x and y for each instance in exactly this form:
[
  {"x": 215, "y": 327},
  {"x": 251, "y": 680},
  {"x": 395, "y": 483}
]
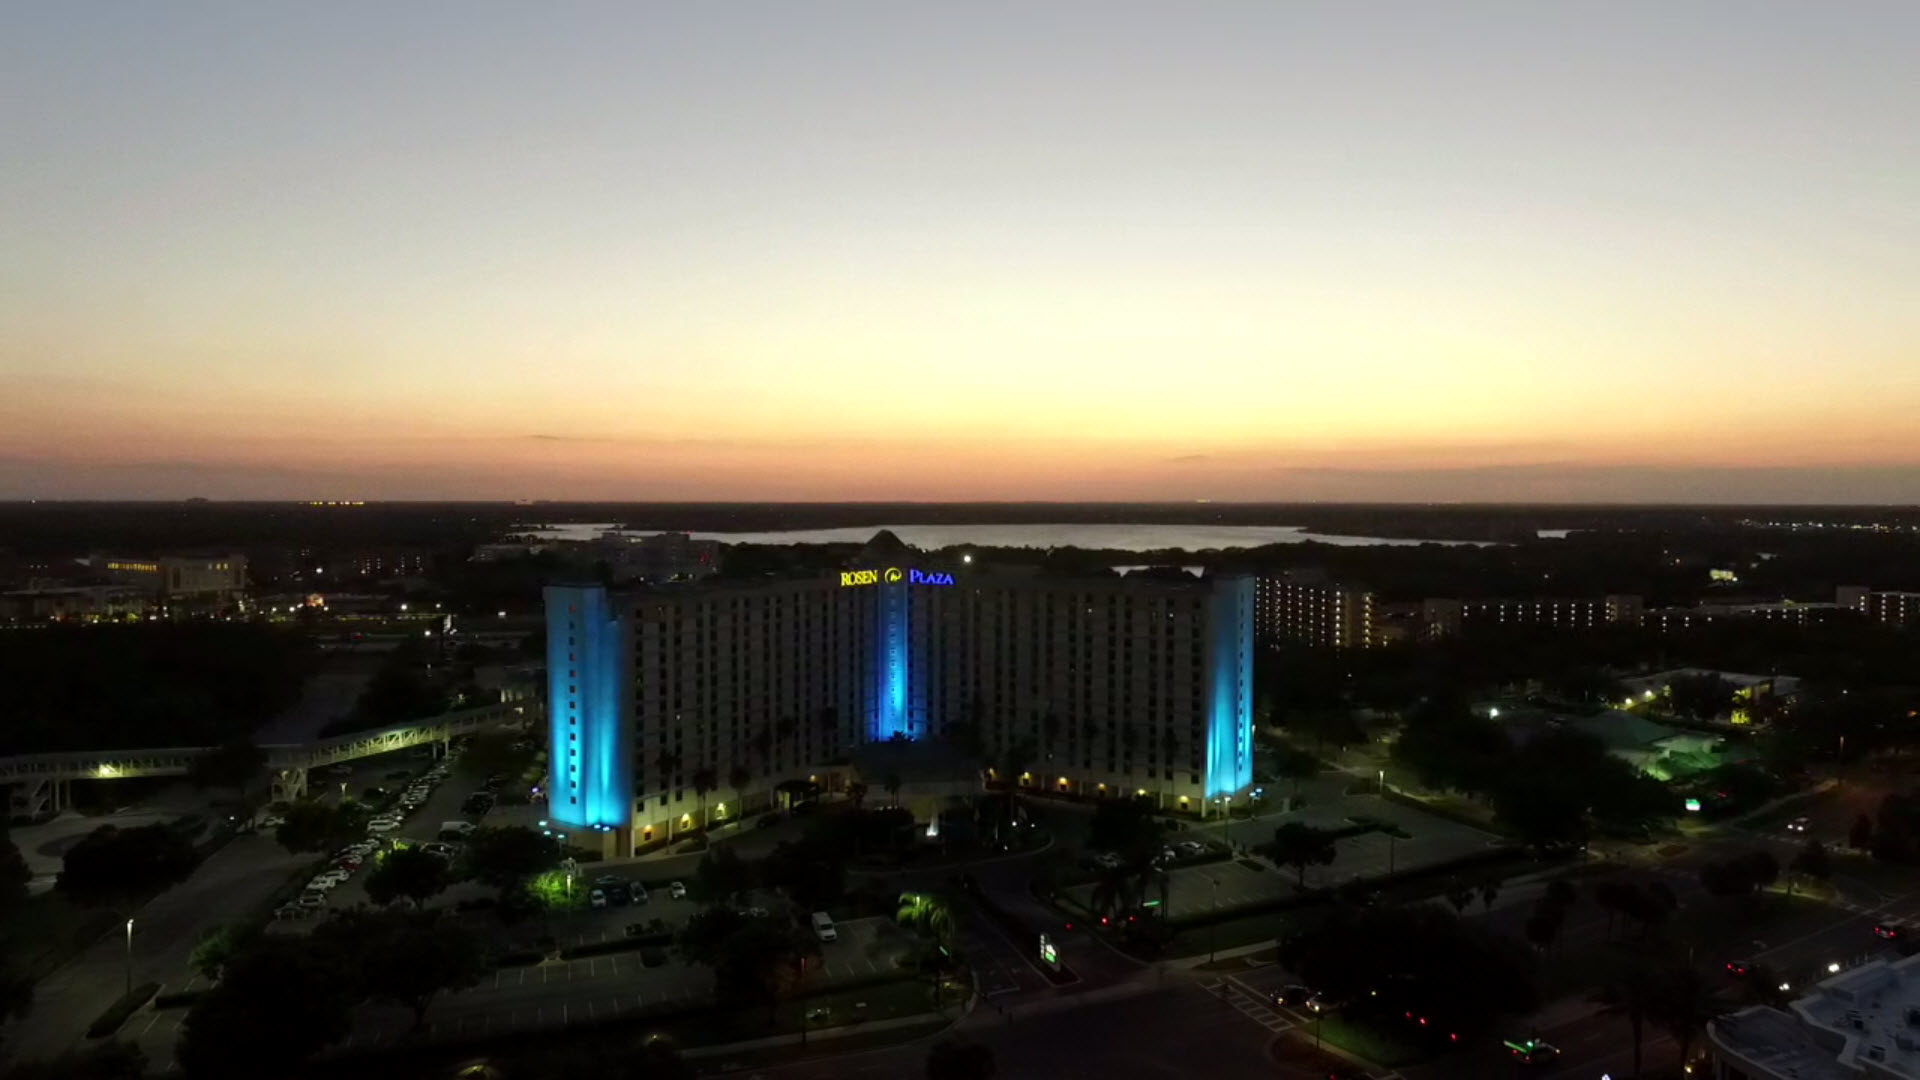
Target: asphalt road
[{"x": 1142, "y": 1030}]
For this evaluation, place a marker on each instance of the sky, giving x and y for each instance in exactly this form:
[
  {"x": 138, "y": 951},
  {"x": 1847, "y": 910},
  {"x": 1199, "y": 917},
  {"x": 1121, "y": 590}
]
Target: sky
[{"x": 880, "y": 251}]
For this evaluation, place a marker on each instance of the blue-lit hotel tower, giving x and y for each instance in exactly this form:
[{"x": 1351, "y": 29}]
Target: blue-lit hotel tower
[
  {"x": 589, "y": 710},
  {"x": 1138, "y": 685}
]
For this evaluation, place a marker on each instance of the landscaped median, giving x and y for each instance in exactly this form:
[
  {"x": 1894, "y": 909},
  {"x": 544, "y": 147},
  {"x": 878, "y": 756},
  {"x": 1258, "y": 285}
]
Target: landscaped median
[{"x": 124, "y": 1006}]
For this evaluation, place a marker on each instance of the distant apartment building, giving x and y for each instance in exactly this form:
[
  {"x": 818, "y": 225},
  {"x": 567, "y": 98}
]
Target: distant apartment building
[
  {"x": 1674, "y": 619},
  {"x": 377, "y": 564},
  {"x": 1880, "y": 605},
  {"x": 662, "y": 557},
  {"x": 81, "y": 603},
  {"x": 179, "y": 577},
  {"x": 1442, "y": 618},
  {"x": 1305, "y": 607}
]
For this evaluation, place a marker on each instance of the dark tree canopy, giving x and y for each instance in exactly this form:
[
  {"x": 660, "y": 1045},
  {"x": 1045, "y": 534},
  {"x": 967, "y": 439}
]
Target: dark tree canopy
[
  {"x": 508, "y": 857},
  {"x": 409, "y": 872},
  {"x": 1414, "y": 957},
  {"x": 318, "y": 826},
  {"x": 113, "y": 866},
  {"x": 279, "y": 1002},
  {"x": 153, "y": 684}
]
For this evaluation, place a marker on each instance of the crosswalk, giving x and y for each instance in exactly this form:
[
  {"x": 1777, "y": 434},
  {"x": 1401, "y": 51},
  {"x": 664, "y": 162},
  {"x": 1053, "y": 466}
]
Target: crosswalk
[
  {"x": 1249, "y": 1003},
  {"x": 1257, "y": 1006}
]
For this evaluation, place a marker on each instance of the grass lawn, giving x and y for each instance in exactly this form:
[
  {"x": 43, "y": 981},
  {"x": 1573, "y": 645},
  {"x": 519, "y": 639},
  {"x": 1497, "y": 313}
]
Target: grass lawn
[{"x": 1369, "y": 1038}]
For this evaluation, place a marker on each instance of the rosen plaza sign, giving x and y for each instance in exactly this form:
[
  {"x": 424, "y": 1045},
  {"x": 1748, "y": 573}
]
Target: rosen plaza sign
[{"x": 893, "y": 575}]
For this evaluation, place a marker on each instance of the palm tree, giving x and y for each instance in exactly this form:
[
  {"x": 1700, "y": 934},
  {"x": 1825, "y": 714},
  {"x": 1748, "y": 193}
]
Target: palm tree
[
  {"x": 1682, "y": 1006},
  {"x": 1169, "y": 746},
  {"x": 704, "y": 780},
  {"x": 668, "y": 763},
  {"x": 1630, "y": 993},
  {"x": 892, "y": 784},
  {"x": 784, "y": 730},
  {"x": 738, "y": 778},
  {"x": 763, "y": 749}
]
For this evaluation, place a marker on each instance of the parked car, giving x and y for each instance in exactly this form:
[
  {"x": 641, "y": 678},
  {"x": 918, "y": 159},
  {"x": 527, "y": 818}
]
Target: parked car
[
  {"x": 1191, "y": 847},
  {"x": 637, "y": 891},
  {"x": 1292, "y": 996},
  {"x": 677, "y": 890},
  {"x": 310, "y": 900},
  {"x": 597, "y": 898},
  {"x": 382, "y": 825},
  {"x": 823, "y": 927},
  {"x": 272, "y": 821}
]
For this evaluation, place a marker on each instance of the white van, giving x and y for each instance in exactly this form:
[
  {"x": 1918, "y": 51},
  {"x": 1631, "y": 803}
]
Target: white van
[{"x": 823, "y": 927}]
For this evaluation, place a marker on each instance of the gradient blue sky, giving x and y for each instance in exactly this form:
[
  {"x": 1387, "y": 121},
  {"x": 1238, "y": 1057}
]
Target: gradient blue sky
[{"x": 883, "y": 251}]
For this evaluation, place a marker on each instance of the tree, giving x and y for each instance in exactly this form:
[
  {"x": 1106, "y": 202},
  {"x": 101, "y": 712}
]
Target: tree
[
  {"x": 1301, "y": 846},
  {"x": 419, "y": 957},
  {"x": 278, "y": 1002},
  {"x": 1489, "y": 892},
  {"x": 235, "y": 765},
  {"x": 508, "y": 857},
  {"x": 950, "y": 1059},
  {"x": 411, "y": 872},
  {"x": 1629, "y": 992},
  {"x": 1812, "y": 862},
  {"x": 114, "y": 867},
  {"x": 1702, "y": 697},
  {"x": 16, "y": 996},
  {"x": 738, "y": 778},
  {"x": 105, "y": 1061},
  {"x": 217, "y": 948},
  {"x": 1682, "y": 1005},
  {"x": 705, "y": 779},
  {"x": 1448, "y": 747},
  {"x": 1860, "y": 836},
  {"x": 811, "y": 873},
  {"x": 722, "y": 876},
  {"x": 1741, "y": 875},
  {"x": 754, "y": 959},
  {"x": 1460, "y": 895},
  {"x": 1126, "y": 827},
  {"x": 857, "y": 794},
  {"x": 1292, "y": 763},
  {"x": 1417, "y": 957},
  {"x": 14, "y": 872},
  {"x": 318, "y": 826},
  {"x": 892, "y": 783}
]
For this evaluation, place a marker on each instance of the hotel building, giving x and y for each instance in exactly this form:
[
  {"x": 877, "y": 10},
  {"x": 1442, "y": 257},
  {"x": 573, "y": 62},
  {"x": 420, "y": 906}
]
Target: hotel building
[
  {"x": 1444, "y": 618},
  {"x": 1138, "y": 686},
  {"x": 1308, "y": 608},
  {"x": 1881, "y": 605}
]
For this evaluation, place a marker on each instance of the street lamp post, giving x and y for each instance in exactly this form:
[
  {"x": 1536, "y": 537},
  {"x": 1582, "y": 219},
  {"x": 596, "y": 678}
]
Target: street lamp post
[
  {"x": 129, "y": 956},
  {"x": 1226, "y": 808},
  {"x": 1389, "y": 854},
  {"x": 1383, "y": 783}
]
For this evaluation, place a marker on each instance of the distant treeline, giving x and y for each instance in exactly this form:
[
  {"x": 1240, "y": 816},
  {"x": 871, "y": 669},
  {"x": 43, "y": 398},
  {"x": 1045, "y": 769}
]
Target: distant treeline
[{"x": 144, "y": 686}]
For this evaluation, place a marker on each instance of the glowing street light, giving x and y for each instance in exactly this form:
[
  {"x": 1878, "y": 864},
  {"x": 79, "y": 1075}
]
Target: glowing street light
[{"x": 129, "y": 956}]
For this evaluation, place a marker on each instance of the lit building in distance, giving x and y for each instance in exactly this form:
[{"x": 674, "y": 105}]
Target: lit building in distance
[
  {"x": 1305, "y": 607},
  {"x": 1442, "y": 618},
  {"x": 1135, "y": 686},
  {"x": 1881, "y": 605},
  {"x": 1674, "y": 619},
  {"x": 180, "y": 577}
]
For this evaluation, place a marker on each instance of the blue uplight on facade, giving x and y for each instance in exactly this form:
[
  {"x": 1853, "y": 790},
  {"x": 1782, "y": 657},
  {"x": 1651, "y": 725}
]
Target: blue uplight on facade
[
  {"x": 890, "y": 664},
  {"x": 590, "y": 752},
  {"x": 1230, "y": 688}
]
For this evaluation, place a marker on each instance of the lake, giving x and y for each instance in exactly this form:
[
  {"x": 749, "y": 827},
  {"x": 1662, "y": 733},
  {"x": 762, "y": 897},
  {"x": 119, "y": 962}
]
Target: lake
[{"x": 1104, "y": 537}]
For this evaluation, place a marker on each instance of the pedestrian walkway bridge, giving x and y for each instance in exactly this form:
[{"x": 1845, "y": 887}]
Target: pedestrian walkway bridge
[{"x": 39, "y": 781}]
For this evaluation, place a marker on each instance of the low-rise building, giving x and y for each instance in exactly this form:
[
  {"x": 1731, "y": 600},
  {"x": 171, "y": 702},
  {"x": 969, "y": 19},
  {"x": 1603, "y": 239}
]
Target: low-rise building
[
  {"x": 1862, "y": 1024},
  {"x": 1441, "y": 617},
  {"x": 80, "y": 603},
  {"x": 1303, "y": 606},
  {"x": 1880, "y": 605}
]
